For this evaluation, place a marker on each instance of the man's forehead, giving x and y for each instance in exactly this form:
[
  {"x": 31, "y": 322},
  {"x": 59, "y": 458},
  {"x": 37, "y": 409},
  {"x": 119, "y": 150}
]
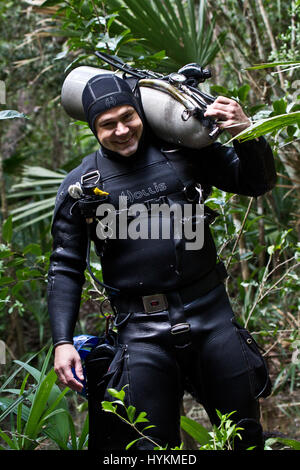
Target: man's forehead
[{"x": 114, "y": 113}]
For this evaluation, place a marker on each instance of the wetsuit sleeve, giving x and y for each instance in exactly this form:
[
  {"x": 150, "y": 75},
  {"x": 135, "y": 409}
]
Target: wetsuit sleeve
[
  {"x": 66, "y": 272},
  {"x": 247, "y": 168}
]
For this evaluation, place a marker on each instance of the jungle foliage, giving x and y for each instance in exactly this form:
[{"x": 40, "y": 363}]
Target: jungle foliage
[{"x": 251, "y": 48}]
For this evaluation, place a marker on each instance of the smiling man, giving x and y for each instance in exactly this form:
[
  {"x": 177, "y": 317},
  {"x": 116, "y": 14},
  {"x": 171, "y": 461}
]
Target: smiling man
[
  {"x": 176, "y": 327},
  {"x": 120, "y": 130}
]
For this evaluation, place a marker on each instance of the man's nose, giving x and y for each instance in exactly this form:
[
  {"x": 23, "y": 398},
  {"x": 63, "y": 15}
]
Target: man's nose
[{"x": 121, "y": 129}]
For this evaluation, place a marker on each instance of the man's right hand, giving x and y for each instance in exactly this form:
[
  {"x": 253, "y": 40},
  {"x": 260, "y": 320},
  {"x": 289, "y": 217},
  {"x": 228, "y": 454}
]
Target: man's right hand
[{"x": 66, "y": 357}]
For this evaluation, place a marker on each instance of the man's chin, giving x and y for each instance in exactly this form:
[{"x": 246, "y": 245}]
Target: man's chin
[{"x": 128, "y": 152}]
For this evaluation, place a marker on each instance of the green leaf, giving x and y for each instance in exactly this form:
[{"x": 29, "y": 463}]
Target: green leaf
[
  {"x": 19, "y": 411},
  {"x": 194, "y": 429},
  {"x": 51, "y": 3},
  {"x": 13, "y": 405},
  {"x": 7, "y": 230},
  {"x": 131, "y": 412},
  {"x": 290, "y": 443},
  {"x": 117, "y": 394},
  {"x": 220, "y": 90},
  {"x": 10, "y": 378},
  {"x": 243, "y": 92},
  {"x": 33, "y": 248},
  {"x": 141, "y": 418},
  {"x": 266, "y": 126},
  {"x": 6, "y": 254},
  {"x": 34, "y": 422},
  {"x": 84, "y": 434},
  {"x": 132, "y": 442},
  {"x": 8, "y": 440},
  {"x": 148, "y": 427},
  {"x": 279, "y": 106},
  {"x": 108, "y": 406},
  {"x": 6, "y": 280},
  {"x": 273, "y": 64}
]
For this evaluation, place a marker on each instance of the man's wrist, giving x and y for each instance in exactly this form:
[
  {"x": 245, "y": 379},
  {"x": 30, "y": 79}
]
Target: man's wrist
[{"x": 61, "y": 343}]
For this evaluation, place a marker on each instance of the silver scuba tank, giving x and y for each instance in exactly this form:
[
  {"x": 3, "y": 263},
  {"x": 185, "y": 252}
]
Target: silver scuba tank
[{"x": 172, "y": 109}]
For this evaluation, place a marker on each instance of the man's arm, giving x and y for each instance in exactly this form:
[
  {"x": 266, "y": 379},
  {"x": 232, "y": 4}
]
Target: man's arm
[
  {"x": 246, "y": 168},
  {"x": 65, "y": 281}
]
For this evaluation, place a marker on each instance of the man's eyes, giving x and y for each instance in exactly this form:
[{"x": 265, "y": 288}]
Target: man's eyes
[
  {"x": 110, "y": 125},
  {"x": 127, "y": 117}
]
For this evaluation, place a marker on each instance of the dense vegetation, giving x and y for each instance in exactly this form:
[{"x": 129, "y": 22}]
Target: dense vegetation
[{"x": 258, "y": 239}]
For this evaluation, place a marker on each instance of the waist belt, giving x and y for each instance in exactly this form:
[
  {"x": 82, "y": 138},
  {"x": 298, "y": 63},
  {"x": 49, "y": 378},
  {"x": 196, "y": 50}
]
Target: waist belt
[
  {"x": 171, "y": 301},
  {"x": 158, "y": 302}
]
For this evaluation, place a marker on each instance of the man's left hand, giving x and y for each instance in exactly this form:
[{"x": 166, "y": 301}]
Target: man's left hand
[{"x": 228, "y": 114}]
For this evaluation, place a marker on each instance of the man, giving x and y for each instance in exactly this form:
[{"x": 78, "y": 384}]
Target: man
[{"x": 176, "y": 328}]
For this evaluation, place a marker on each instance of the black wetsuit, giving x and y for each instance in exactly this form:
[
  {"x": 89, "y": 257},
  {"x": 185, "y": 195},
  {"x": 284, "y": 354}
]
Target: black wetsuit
[{"x": 210, "y": 355}]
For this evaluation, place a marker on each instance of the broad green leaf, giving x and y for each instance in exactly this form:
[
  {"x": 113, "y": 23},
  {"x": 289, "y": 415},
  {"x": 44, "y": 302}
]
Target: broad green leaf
[
  {"x": 279, "y": 106},
  {"x": 84, "y": 433},
  {"x": 8, "y": 440},
  {"x": 7, "y": 230},
  {"x": 33, "y": 221},
  {"x": 171, "y": 26},
  {"x": 33, "y": 248},
  {"x": 132, "y": 442},
  {"x": 45, "y": 364},
  {"x": 41, "y": 172},
  {"x": 51, "y": 3},
  {"x": 117, "y": 394},
  {"x": 32, "y": 370},
  {"x": 243, "y": 92},
  {"x": 13, "y": 404},
  {"x": 11, "y": 377},
  {"x": 32, "y": 208},
  {"x": 33, "y": 424},
  {"x": 19, "y": 412},
  {"x": 142, "y": 417},
  {"x": 194, "y": 429},
  {"x": 6, "y": 280},
  {"x": 108, "y": 406},
  {"x": 131, "y": 413},
  {"x": 292, "y": 443},
  {"x": 266, "y": 126},
  {"x": 272, "y": 64}
]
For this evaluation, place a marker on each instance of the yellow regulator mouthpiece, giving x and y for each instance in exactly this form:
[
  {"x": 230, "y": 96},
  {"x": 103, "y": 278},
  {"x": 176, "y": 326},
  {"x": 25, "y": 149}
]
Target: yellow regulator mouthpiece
[{"x": 99, "y": 192}]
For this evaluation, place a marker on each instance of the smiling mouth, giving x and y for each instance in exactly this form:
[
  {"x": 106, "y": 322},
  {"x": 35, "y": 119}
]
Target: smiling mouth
[{"x": 125, "y": 141}]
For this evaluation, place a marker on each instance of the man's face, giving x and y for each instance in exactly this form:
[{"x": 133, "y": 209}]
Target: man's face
[{"x": 119, "y": 129}]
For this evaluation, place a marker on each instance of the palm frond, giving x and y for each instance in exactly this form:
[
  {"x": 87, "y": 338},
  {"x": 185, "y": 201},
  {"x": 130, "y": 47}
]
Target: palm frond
[
  {"x": 269, "y": 125},
  {"x": 32, "y": 187},
  {"x": 172, "y": 26}
]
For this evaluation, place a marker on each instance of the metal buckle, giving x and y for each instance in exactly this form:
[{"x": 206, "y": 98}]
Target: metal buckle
[
  {"x": 155, "y": 303},
  {"x": 180, "y": 328},
  {"x": 191, "y": 191},
  {"x": 91, "y": 177}
]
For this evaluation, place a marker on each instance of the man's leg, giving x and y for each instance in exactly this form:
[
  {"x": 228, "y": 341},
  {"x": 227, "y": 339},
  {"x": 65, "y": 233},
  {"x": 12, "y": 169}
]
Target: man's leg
[
  {"x": 149, "y": 369},
  {"x": 226, "y": 370}
]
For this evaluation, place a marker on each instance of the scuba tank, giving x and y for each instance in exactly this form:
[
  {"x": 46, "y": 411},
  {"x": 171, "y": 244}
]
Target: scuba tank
[{"x": 173, "y": 105}]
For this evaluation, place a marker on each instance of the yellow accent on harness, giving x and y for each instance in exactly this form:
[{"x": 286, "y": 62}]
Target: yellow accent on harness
[{"x": 99, "y": 192}]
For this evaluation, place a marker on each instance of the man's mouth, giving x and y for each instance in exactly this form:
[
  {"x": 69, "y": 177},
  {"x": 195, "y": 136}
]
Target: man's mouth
[{"x": 123, "y": 142}]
